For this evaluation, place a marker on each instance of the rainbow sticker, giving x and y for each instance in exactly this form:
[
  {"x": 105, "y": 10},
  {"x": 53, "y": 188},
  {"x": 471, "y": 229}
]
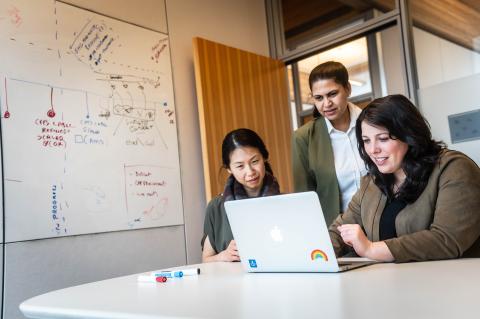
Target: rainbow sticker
[{"x": 318, "y": 254}]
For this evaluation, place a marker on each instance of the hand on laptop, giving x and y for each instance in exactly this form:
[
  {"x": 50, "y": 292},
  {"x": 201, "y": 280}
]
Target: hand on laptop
[
  {"x": 353, "y": 235},
  {"x": 230, "y": 254}
]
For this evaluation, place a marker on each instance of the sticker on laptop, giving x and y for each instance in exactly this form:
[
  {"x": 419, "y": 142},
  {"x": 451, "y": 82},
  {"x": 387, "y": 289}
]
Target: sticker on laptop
[
  {"x": 253, "y": 263},
  {"x": 318, "y": 254}
]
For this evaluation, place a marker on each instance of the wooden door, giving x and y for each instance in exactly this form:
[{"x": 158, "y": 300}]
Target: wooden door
[{"x": 238, "y": 89}]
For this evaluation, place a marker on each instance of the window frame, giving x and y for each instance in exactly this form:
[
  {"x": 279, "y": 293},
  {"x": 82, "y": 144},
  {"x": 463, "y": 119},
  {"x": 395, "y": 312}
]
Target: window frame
[{"x": 400, "y": 16}]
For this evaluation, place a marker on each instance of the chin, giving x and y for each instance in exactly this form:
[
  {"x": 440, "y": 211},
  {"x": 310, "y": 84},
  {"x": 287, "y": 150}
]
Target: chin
[
  {"x": 385, "y": 170},
  {"x": 332, "y": 117}
]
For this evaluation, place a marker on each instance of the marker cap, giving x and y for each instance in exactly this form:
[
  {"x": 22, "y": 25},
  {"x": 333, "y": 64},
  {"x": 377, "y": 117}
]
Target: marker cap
[{"x": 160, "y": 279}]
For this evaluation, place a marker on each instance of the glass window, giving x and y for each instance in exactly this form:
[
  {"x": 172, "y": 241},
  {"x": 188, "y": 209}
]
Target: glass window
[
  {"x": 446, "y": 38},
  {"x": 306, "y": 20},
  {"x": 374, "y": 64}
]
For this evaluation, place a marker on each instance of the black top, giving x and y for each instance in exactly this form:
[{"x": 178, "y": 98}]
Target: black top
[{"x": 387, "y": 221}]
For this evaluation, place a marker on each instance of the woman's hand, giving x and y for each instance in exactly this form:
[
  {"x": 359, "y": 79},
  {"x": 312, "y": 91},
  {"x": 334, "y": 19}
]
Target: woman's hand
[
  {"x": 353, "y": 235},
  {"x": 229, "y": 254}
]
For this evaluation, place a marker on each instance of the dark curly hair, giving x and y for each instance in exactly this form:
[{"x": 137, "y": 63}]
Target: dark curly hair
[
  {"x": 243, "y": 137},
  {"x": 404, "y": 122}
]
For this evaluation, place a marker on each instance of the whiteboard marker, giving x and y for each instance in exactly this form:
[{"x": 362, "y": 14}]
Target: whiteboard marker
[
  {"x": 168, "y": 273},
  {"x": 185, "y": 272},
  {"x": 150, "y": 278},
  {"x": 191, "y": 271}
]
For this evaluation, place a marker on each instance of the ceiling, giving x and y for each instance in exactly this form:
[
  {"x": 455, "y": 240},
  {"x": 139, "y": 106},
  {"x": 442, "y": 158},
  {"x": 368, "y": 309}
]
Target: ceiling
[{"x": 454, "y": 20}]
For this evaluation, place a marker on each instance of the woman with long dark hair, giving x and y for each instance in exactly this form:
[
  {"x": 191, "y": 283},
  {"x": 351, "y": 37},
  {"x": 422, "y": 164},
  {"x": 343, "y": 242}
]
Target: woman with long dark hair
[
  {"x": 420, "y": 201},
  {"x": 245, "y": 157}
]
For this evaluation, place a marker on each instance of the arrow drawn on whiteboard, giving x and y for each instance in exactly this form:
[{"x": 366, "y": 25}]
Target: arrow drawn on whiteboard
[
  {"x": 119, "y": 123},
  {"x": 144, "y": 97},
  {"x": 131, "y": 97},
  {"x": 7, "y": 113},
  {"x": 86, "y": 103},
  {"x": 51, "y": 112},
  {"x": 130, "y": 78},
  {"x": 161, "y": 137}
]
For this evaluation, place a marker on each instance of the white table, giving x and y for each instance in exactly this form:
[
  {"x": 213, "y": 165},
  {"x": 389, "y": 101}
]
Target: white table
[{"x": 439, "y": 289}]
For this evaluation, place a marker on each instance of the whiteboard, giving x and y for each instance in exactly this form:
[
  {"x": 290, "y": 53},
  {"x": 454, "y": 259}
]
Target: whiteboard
[{"x": 89, "y": 132}]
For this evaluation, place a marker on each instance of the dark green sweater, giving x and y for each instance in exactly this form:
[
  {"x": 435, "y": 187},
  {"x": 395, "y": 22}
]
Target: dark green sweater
[{"x": 216, "y": 225}]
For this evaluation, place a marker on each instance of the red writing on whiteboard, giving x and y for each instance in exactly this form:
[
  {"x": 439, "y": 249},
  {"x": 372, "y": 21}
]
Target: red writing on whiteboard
[
  {"x": 140, "y": 173},
  {"x": 147, "y": 194},
  {"x": 15, "y": 17},
  {"x": 52, "y": 133},
  {"x": 147, "y": 183},
  {"x": 45, "y": 122}
]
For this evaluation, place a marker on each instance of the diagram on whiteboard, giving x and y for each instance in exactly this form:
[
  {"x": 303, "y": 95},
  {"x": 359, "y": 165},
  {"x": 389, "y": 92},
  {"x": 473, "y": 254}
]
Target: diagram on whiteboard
[{"x": 89, "y": 134}]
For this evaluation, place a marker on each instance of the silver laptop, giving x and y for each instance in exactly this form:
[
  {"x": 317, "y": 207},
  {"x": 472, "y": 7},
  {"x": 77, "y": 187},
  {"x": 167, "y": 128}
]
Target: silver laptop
[{"x": 285, "y": 233}]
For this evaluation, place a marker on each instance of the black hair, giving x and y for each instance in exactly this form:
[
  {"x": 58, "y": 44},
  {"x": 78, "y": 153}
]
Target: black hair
[
  {"x": 330, "y": 70},
  {"x": 243, "y": 137},
  {"x": 404, "y": 122}
]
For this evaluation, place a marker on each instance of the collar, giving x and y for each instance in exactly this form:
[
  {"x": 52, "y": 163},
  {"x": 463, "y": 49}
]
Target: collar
[{"x": 354, "y": 113}]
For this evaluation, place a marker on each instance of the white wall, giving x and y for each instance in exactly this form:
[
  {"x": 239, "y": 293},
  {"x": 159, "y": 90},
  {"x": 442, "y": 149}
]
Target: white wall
[
  {"x": 241, "y": 24},
  {"x": 150, "y": 14},
  {"x": 39, "y": 266},
  {"x": 449, "y": 81},
  {"x": 393, "y": 81},
  {"x": 439, "y": 60}
]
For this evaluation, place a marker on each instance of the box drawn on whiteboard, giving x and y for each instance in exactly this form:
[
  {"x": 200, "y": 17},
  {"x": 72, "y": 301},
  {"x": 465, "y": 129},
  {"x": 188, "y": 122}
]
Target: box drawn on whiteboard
[{"x": 146, "y": 189}]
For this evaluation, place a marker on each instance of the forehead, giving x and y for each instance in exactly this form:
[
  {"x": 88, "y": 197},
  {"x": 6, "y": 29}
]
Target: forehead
[
  {"x": 321, "y": 87},
  {"x": 244, "y": 153},
  {"x": 371, "y": 130}
]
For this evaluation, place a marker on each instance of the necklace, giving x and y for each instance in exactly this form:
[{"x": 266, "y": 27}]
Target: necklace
[{"x": 396, "y": 187}]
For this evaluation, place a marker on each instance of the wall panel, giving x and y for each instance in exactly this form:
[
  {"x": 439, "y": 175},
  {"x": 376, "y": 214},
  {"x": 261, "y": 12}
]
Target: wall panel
[
  {"x": 36, "y": 267},
  {"x": 249, "y": 91}
]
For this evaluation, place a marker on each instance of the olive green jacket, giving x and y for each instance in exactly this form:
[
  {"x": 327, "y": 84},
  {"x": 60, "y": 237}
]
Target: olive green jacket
[
  {"x": 443, "y": 223},
  {"x": 314, "y": 166}
]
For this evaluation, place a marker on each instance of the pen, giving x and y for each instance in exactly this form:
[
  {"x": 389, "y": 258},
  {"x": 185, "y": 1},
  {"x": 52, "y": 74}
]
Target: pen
[
  {"x": 185, "y": 272},
  {"x": 168, "y": 273},
  {"x": 191, "y": 271},
  {"x": 150, "y": 278}
]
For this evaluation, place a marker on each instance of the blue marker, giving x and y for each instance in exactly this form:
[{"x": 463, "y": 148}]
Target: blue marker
[{"x": 169, "y": 274}]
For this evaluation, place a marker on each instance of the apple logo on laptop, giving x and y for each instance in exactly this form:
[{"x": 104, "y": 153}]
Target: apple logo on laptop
[{"x": 276, "y": 234}]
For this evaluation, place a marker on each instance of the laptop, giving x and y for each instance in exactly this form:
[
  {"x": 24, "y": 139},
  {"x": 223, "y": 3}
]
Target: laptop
[{"x": 285, "y": 233}]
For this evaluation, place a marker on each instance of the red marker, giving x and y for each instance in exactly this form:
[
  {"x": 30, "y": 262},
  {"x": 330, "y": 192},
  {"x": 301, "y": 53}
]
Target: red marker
[
  {"x": 152, "y": 279},
  {"x": 161, "y": 279}
]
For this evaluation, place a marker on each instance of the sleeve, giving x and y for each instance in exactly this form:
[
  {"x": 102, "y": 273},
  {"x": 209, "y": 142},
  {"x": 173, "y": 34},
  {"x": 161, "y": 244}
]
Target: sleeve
[
  {"x": 302, "y": 178},
  {"x": 456, "y": 222},
  {"x": 351, "y": 216},
  {"x": 209, "y": 224}
]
